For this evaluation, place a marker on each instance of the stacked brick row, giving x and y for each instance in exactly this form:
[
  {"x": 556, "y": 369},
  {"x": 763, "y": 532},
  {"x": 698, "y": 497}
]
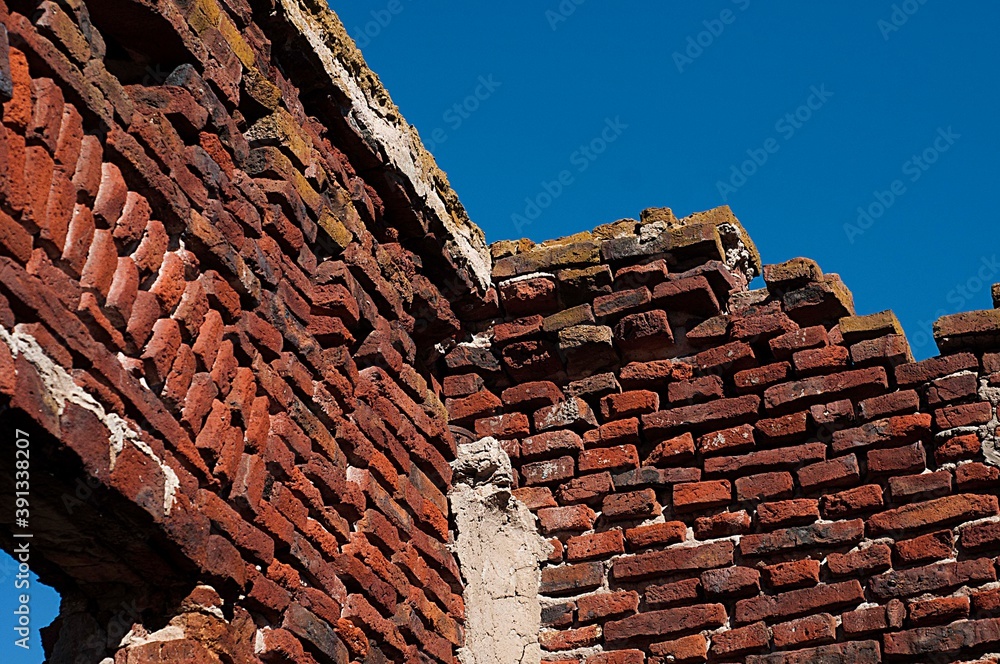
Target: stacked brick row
[
  {"x": 195, "y": 257},
  {"x": 733, "y": 475}
]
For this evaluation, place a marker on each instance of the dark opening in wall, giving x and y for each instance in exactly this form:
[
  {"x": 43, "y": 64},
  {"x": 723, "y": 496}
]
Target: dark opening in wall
[{"x": 142, "y": 47}]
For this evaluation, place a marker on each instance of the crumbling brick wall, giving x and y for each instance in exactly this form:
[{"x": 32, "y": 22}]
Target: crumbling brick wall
[
  {"x": 219, "y": 292},
  {"x": 731, "y": 475},
  {"x": 249, "y": 329}
]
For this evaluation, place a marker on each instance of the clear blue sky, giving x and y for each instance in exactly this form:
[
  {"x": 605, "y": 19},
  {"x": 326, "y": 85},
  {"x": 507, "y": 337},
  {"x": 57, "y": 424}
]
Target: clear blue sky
[
  {"x": 885, "y": 90},
  {"x": 682, "y": 117}
]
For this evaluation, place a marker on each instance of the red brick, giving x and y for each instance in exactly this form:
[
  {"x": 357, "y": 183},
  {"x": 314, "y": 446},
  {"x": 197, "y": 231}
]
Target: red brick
[
  {"x": 618, "y": 657},
  {"x": 764, "y": 486},
  {"x": 735, "y": 439},
  {"x": 669, "y": 561},
  {"x": 585, "y": 489},
  {"x": 731, "y": 581},
  {"x": 645, "y": 331},
  {"x": 549, "y": 471},
  {"x": 631, "y": 505},
  {"x": 507, "y": 425},
  {"x": 819, "y": 360},
  {"x": 701, "y": 495},
  {"x": 671, "y": 451},
  {"x": 975, "y": 475},
  {"x": 957, "y": 448},
  {"x": 926, "y": 548},
  {"x": 724, "y": 524},
  {"x": 834, "y": 534},
  {"x": 853, "y": 652},
  {"x": 834, "y": 413},
  {"x": 783, "y": 428},
  {"x": 619, "y": 457},
  {"x": 571, "y": 579},
  {"x": 758, "y": 378},
  {"x": 861, "y": 562},
  {"x": 932, "y": 513},
  {"x": 917, "y": 373},
  {"x": 531, "y": 396},
  {"x": 792, "y": 574},
  {"x": 798, "y": 602},
  {"x": 920, "y": 487},
  {"x": 854, "y": 501},
  {"x": 765, "y": 459},
  {"x": 666, "y": 622},
  {"x": 596, "y": 545},
  {"x": 622, "y": 301},
  {"x": 695, "y": 390},
  {"x": 969, "y": 414},
  {"x": 688, "y": 649},
  {"x": 707, "y": 415},
  {"x": 986, "y": 602},
  {"x": 859, "y": 383},
  {"x": 689, "y": 294},
  {"x": 938, "y": 610},
  {"x": 574, "y": 413},
  {"x": 602, "y": 605},
  {"x": 572, "y": 518},
  {"x": 864, "y": 621},
  {"x": 741, "y": 641},
  {"x": 517, "y": 329},
  {"x": 824, "y": 475},
  {"x": 811, "y": 630},
  {"x": 535, "y": 497},
  {"x": 908, "y": 459},
  {"x": 785, "y": 345},
  {"x": 980, "y": 536},
  {"x": 788, "y": 512},
  {"x": 629, "y": 404},
  {"x": 528, "y": 296},
  {"x": 670, "y": 532},
  {"x": 618, "y": 432},
  {"x": 657, "y": 373},
  {"x": 568, "y": 639},
  {"x": 894, "y": 403},
  {"x": 734, "y": 356},
  {"x": 550, "y": 444},
  {"x": 931, "y": 578},
  {"x": 890, "y": 432},
  {"x": 673, "y": 593},
  {"x": 952, "y": 388},
  {"x": 951, "y": 639}
]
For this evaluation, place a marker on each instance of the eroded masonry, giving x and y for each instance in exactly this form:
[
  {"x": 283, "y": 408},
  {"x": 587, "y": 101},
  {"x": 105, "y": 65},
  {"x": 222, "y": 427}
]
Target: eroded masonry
[{"x": 286, "y": 405}]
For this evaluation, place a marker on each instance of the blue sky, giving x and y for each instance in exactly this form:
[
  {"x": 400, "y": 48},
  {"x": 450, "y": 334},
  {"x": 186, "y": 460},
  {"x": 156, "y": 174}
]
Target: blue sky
[
  {"x": 795, "y": 115},
  {"x": 892, "y": 107}
]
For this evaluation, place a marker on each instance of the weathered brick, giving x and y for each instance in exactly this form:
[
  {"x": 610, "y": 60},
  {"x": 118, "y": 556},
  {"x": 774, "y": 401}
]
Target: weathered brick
[
  {"x": 933, "y": 513},
  {"x": 798, "y": 602},
  {"x": 705, "y": 556},
  {"x": 666, "y": 622},
  {"x": 931, "y": 578}
]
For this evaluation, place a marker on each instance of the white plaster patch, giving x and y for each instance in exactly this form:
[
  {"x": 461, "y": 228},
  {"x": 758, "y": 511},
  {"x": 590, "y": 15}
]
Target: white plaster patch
[
  {"x": 61, "y": 389},
  {"x": 499, "y": 553}
]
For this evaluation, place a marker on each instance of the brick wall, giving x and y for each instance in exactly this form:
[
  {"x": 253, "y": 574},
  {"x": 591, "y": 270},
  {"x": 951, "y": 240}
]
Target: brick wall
[
  {"x": 730, "y": 475},
  {"x": 210, "y": 315},
  {"x": 247, "y": 323}
]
